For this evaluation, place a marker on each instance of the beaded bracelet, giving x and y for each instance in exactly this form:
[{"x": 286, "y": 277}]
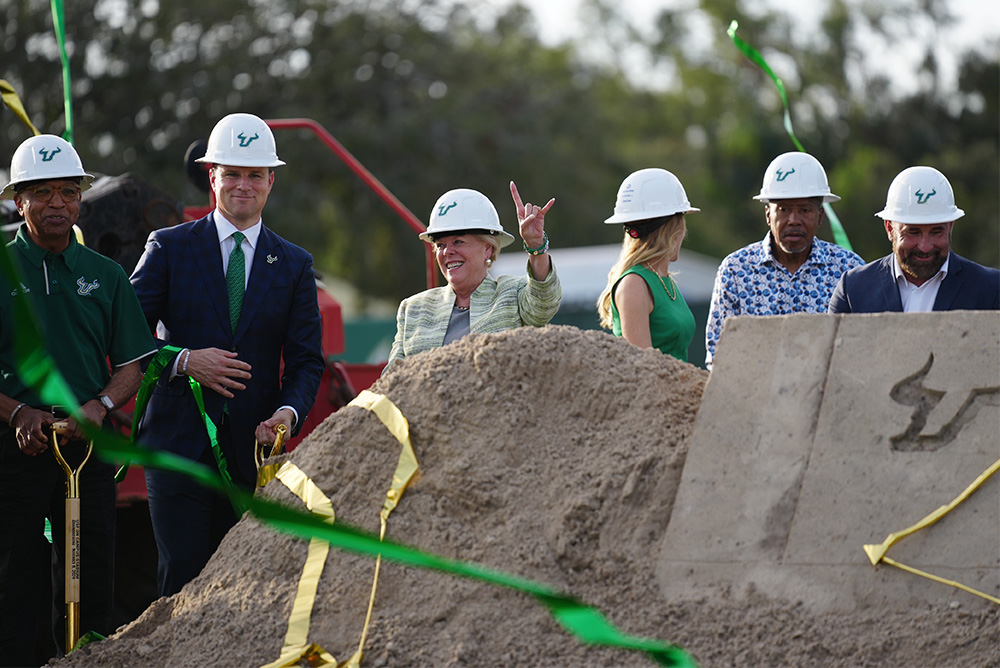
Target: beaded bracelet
[
  {"x": 21, "y": 405},
  {"x": 544, "y": 248},
  {"x": 184, "y": 368}
]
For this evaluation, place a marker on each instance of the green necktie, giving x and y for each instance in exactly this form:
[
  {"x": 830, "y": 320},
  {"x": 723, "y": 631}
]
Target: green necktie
[{"x": 236, "y": 279}]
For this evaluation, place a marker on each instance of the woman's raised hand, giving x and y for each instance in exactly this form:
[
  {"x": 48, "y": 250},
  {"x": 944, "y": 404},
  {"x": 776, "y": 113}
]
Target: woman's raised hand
[{"x": 530, "y": 219}]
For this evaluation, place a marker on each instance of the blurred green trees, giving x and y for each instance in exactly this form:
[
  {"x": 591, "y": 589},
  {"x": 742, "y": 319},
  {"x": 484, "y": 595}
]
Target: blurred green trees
[{"x": 430, "y": 96}]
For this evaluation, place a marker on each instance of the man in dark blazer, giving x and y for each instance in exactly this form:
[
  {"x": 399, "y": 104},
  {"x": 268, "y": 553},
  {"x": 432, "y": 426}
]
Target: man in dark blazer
[
  {"x": 241, "y": 302},
  {"x": 922, "y": 273}
]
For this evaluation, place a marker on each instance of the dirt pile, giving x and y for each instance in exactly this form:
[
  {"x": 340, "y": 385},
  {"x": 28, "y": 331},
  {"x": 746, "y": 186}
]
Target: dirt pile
[{"x": 551, "y": 454}]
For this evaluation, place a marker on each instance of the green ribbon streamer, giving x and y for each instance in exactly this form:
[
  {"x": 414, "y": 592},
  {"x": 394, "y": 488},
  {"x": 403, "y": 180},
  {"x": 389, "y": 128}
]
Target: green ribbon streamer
[
  {"x": 839, "y": 235},
  {"x": 585, "y": 622},
  {"x": 59, "y": 23},
  {"x": 163, "y": 358}
]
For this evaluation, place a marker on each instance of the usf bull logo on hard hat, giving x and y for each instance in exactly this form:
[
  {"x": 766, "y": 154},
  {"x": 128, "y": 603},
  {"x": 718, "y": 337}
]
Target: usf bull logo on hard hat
[
  {"x": 244, "y": 140},
  {"x": 922, "y": 198},
  {"x": 47, "y": 155}
]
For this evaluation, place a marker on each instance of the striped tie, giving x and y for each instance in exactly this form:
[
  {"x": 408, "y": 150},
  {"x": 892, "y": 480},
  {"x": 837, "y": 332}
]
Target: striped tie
[{"x": 236, "y": 279}]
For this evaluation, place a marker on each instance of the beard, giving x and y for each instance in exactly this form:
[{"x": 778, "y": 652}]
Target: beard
[{"x": 921, "y": 268}]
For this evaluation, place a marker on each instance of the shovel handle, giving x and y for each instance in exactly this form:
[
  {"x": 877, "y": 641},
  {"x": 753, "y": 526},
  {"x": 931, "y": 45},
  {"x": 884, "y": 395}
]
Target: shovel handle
[
  {"x": 72, "y": 475},
  {"x": 71, "y": 567},
  {"x": 281, "y": 431}
]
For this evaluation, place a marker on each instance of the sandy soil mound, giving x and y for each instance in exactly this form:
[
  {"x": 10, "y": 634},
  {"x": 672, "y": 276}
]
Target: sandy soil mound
[{"x": 552, "y": 454}]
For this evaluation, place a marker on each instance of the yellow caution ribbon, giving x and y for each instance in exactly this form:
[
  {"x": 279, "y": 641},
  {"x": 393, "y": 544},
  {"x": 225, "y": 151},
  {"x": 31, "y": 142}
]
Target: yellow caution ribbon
[
  {"x": 407, "y": 472},
  {"x": 876, "y": 553},
  {"x": 10, "y": 98},
  {"x": 295, "y": 647}
]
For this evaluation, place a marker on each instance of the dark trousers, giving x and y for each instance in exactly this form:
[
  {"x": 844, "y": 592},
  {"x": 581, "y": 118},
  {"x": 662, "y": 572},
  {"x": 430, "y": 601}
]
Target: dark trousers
[
  {"x": 31, "y": 489},
  {"x": 190, "y": 521}
]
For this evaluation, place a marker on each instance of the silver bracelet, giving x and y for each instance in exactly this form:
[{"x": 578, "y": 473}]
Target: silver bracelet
[
  {"x": 21, "y": 405},
  {"x": 186, "y": 357}
]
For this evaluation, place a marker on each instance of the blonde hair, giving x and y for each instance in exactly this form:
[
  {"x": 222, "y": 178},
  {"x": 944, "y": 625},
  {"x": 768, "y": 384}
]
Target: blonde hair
[
  {"x": 659, "y": 244},
  {"x": 492, "y": 241}
]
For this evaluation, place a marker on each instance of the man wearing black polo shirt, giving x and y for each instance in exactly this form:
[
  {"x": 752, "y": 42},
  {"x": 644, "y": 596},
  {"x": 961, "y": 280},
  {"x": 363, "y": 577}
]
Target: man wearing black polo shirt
[{"x": 89, "y": 316}]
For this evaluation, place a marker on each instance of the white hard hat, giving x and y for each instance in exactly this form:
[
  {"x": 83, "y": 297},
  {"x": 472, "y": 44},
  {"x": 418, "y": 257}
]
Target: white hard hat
[
  {"x": 241, "y": 140},
  {"x": 649, "y": 193},
  {"x": 795, "y": 175},
  {"x": 920, "y": 196},
  {"x": 465, "y": 211},
  {"x": 44, "y": 157}
]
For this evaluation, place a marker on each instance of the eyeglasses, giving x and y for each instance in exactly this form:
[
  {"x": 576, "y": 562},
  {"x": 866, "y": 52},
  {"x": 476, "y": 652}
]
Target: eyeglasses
[{"x": 45, "y": 193}]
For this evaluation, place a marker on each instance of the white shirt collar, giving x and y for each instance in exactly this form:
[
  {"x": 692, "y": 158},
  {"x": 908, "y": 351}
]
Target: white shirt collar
[{"x": 225, "y": 229}]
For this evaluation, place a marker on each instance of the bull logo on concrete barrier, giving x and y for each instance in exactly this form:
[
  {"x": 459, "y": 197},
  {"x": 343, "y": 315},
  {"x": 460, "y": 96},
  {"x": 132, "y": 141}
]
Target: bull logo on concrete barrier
[{"x": 911, "y": 391}]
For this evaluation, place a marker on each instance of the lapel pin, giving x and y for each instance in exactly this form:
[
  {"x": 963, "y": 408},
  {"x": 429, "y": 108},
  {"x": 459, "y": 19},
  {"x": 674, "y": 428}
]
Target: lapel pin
[{"x": 271, "y": 259}]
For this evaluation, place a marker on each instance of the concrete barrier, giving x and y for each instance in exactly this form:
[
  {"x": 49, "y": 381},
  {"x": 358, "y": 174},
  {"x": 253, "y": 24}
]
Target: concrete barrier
[{"x": 818, "y": 434}]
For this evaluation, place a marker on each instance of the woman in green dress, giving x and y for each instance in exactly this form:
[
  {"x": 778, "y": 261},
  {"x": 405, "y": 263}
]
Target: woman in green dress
[{"x": 641, "y": 302}]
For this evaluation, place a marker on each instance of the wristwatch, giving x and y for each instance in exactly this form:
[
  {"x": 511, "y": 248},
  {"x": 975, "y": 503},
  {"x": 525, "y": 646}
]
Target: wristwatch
[{"x": 106, "y": 401}]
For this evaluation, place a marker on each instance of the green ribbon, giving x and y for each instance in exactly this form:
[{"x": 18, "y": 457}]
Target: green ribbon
[
  {"x": 587, "y": 623},
  {"x": 839, "y": 235},
  {"x": 163, "y": 358},
  {"x": 59, "y": 23}
]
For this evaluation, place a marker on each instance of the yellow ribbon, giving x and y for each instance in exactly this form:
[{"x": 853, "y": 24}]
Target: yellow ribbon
[
  {"x": 876, "y": 553},
  {"x": 295, "y": 647},
  {"x": 10, "y": 98},
  {"x": 407, "y": 470}
]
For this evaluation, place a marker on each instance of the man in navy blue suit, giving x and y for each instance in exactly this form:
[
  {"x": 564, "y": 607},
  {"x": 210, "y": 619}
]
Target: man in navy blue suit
[
  {"x": 241, "y": 302},
  {"x": 922, "y": 273}
]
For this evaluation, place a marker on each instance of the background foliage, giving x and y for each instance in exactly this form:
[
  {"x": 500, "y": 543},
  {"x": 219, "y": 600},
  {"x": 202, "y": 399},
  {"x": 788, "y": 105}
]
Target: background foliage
[{"x": 429, "y": 99}]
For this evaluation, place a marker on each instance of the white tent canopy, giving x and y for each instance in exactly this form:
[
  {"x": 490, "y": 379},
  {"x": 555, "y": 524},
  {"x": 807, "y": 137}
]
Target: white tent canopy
[{"x": 583, "y": 272}]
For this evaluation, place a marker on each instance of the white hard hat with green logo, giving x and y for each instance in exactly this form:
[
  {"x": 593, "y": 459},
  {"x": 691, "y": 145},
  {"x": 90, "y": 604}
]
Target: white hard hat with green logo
[
  {"x": 795, "y": 175},
  {"x": 241, "y": 140},
  {"x": 920, "y": 196},
  {"x": 465, "y": 211},
  {"x": 43, "y": 158}
]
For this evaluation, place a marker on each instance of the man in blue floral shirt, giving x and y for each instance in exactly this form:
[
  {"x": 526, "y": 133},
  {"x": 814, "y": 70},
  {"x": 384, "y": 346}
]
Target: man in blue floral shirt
[{"x": 790, "y": 270}]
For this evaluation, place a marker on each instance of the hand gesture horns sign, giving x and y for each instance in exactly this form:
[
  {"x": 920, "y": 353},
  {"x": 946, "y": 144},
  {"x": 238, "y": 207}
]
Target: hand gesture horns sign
[{"x": 530, "y": 219}]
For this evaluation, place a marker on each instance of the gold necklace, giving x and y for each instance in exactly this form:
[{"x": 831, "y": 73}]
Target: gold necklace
[{"x": 673, "y": 296}]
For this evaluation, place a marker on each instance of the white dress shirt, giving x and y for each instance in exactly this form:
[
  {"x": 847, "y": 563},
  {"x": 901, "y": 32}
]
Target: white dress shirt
[{"x": 918, "y": 298}]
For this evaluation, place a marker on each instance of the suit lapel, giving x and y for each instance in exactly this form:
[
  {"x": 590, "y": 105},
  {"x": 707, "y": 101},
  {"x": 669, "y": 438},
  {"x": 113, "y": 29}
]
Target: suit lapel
[
  {"x": 890, "y": 291},
  {"x": 267, "y": 262},
  {"x": 208, "y": 259},
  {"x": 950, "y": 286}
]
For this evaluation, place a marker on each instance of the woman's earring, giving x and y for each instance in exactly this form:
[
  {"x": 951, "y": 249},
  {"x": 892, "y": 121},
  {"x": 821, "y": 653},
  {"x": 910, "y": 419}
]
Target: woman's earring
[{"x": 489, "y": 262}]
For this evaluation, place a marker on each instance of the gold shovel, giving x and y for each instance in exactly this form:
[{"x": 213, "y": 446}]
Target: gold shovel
[{"x": 72, "y": 565}]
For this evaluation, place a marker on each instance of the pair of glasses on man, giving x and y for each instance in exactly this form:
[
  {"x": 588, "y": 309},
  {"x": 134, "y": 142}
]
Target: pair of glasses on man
[{"x": 45, "y": 193}]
